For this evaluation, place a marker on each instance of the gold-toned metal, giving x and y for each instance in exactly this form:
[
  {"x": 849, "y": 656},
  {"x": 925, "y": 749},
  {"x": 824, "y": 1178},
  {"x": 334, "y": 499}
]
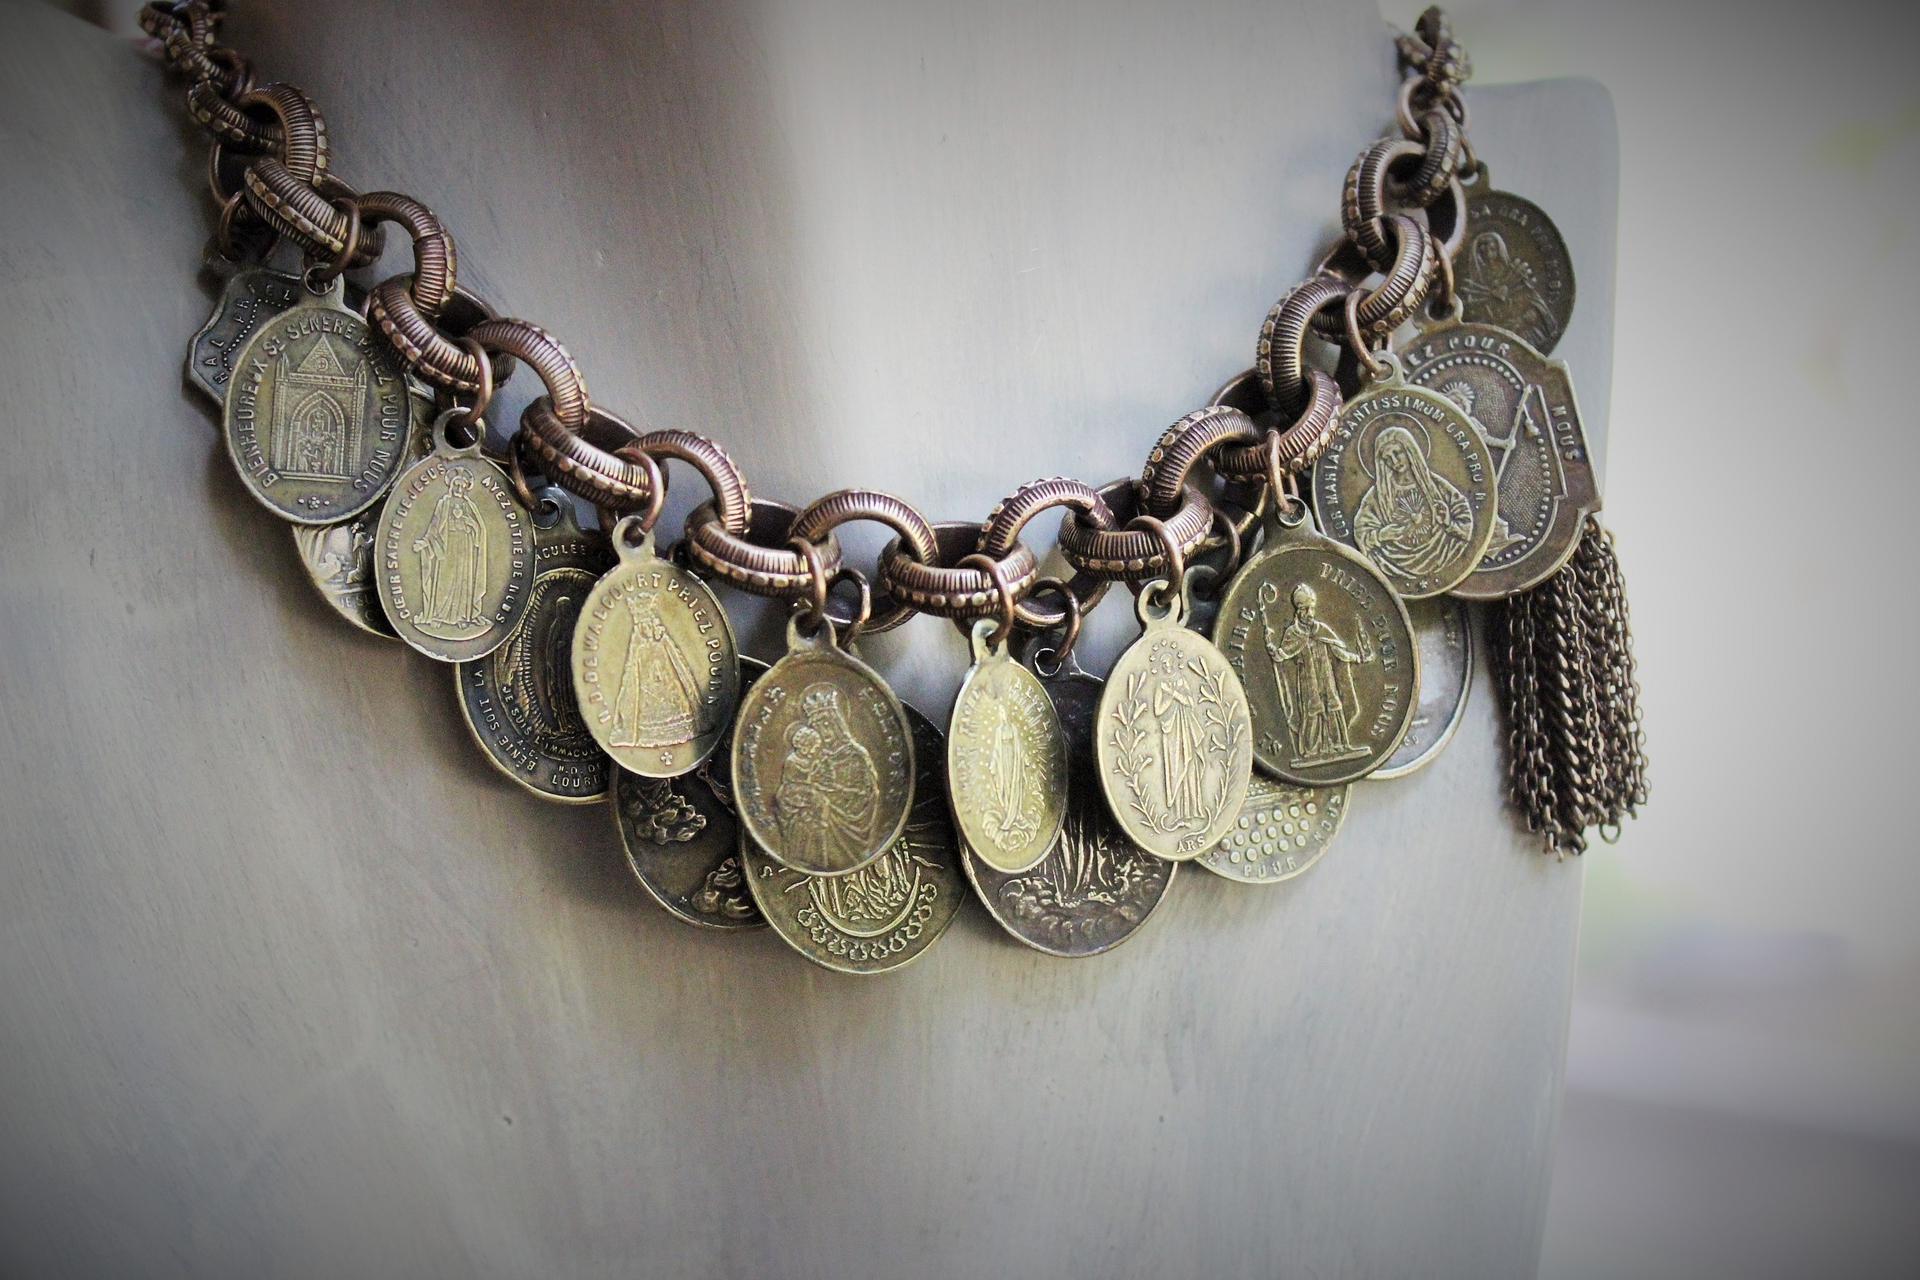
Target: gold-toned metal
[
  {"x": 519, "y": 700},
  {"x": 893, "y": 908},
  {"x": 683, "y": 839},
  {"x": 253, "y": 296},
  {"x": 823, "y": 759},
  {"x": 1407, "y": 480},
  {"x": 1443, "y": 635},
  {"x": 456, "y": 552},
  {"x": 1523, "y": 408},
  {"x": 1513, "y": 270},
  {"x": 316, "y": 416},
  {"x": 1173, "y": 739},
  {"x": 654, "y": 661},
  {"x": 1006, "y": 759},
  {"x": 1283, "y": 828},
  {"x": 1325, "y": 651}
]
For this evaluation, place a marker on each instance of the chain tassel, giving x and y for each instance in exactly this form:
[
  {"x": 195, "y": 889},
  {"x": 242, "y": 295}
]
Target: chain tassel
[{"x": 1563, "y": 663}]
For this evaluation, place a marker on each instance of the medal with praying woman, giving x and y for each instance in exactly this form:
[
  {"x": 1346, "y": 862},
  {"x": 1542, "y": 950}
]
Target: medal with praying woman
[{"x": 1513, "y": 270}]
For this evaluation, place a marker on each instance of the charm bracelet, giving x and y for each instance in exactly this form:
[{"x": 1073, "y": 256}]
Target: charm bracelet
[{"x": 1302, "y": 551}]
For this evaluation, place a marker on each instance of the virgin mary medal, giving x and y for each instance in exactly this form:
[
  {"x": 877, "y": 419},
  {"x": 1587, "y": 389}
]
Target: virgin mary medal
[
  {"x": 1521, "y": 405},
  {"x": 1172, "y": 737},
  {"x": 455, "y": 552},
  {"x": 1006, "y": 759},
  {"x": 1513, "y": 270},
  {"x": 823, "y": 759},
  {"x": 654, "y": 661},
  {"x": 1325, "y": 649},
  {"x": 316, "y": 415},
  {"x": 1407, "y": 481}
]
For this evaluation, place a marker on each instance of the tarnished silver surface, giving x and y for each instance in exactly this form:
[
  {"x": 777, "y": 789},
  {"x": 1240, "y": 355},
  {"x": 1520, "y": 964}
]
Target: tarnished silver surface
[
  {"x": 249, "y": 297},
  {"x": 1443, "y": 634}
]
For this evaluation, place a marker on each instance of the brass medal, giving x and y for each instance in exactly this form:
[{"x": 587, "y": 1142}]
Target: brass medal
[
  {"x": 654, "y": 662},
  {"x": 519, "y": 699},
  {"x": 1443, "y": 635},
  {"x": 455, "y": 552},
  {"x": 1283, "y": 828},
  {"x": 1325, "y": 651},
  {"x": 1521, "y": 404},
  {"x": 823, "y": 760},
  {"x": 317, "y": 413},
  {"x": 683, "y": 840},
  {"x": 1173, "y": 742},
  {"x": 894, "y": 907},
  {"x": 1513, "y": 270},
  {"x": 1407, "y": 480},
  {"x": 253, "y": 296},
  {"x": 1094, "y": 888},
  {"x": 1006, "y": 760}
]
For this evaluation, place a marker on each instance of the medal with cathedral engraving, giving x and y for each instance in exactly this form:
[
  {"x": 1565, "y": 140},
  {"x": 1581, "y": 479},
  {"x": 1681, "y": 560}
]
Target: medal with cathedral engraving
[
  {"x": 1521, "y": 405},
  {"x": 519, "y": 699},
  {"x": 1095, "y": 887},
  {"x": 1006, "y": 759},
  {"x": 251, "y": 297},
  {"x": 1283, "y": 828},
  {"x": 891, "y": 909},
  {"x": 654, "y": 661},
  {"x": 455, "y": 552},
  {"x": 1407, "y": 480},
  {"x": 317, "y": 414},
  {"x": 1513, "y": 270},
  {"x": 823, "y": 759},
  {"x": 1173, "y": 741},
  {"x": 1325, "y": 650}
]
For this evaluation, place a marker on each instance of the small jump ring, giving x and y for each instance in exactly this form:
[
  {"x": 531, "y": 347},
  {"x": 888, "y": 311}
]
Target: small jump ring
[
  {"x": 320, "y": 275},
  {"x": 817, "y": 585},
  {"x": 1057, "y": 654},
  {"x": 1004, "y": 589},
  {"x": 1176, "y": 559},
  {"x": 1231, "y": 531},
  {"x": 517, "y": 470},
  {"x": 656, "y": 482},
  {"x": 484, "y": 396},
  {"x": 850, "y": 629},
  {"x": 1356, "y": 340}
]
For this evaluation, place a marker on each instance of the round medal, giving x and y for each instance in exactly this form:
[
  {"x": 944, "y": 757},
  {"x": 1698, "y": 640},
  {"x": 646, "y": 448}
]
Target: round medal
[
  {"x": 1006, "y": 760},
  {"x": 1283, "y": 828},
  {"x": 1443, "y": 635}
]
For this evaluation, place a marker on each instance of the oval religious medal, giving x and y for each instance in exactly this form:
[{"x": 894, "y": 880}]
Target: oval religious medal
[
  {"x": 1095, "y": 887},
  {"x": 892, "y": 909},
  {"x": 823, "y": 759},
  {"x": 1173, "y": 740},
  {"x": 1006, "y": 759},
  {"x": 317, "y": 414},
  {"x": 1325, "y": 651},
  {"x": 1283, "y": 828},
  {"x": 683, "y": 840},
  {"x": 1443, "y": 636},
  {"x": 1521, "y": 405},
  {"x": 519, "y": 699},
  {"x": 1407, "y": 480},
  {"x": 455, "y": 552},
  {"x": 252, "y": 296},
  {"x": 654, "y": 661},
  {"x": 1513, "y": 270}
]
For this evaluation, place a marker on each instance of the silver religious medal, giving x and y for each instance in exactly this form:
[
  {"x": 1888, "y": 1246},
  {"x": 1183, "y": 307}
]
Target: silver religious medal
[
  {"x": 1006, "y": 759},
  {"x": 252, "y": 296},
  {"x": 1443, "y": 635},
  {"x": 1173, "y": 740},
  {"x": 1095, "y": 888},
  {"x": 891, "y": 909},
  {"x": 519, "y": 699},
  {"x": 1513, "y": 270},
  {"x": 456, "y": 552},
  {"x": 1283, "y": 828},
  {"x": 317, "y": 412},
  {"x": 1521, "y": 405},
  {"x": 683, "y": 840},
  {"x": 823, "y": 759},
  {"x": 1408, "y": 481},
  {"x": 654, "y": 661},
  {"x": 1325, "y": 651}
]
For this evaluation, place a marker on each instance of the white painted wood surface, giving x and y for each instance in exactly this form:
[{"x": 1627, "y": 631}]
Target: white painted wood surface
[{"x": 292, "y": 984}]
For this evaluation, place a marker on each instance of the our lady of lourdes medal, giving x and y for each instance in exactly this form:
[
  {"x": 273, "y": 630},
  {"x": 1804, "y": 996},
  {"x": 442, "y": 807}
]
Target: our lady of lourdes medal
[
  {"x": 1407, "y": 480},
  {"x": 654, "y": 661},
  {"x": 1006, "y": 759}
]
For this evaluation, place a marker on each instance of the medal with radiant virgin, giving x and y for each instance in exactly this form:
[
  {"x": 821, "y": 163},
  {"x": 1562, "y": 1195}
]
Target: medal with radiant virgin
[
  {"x": 1521, "y": 405},
  {"x": 823, "y": 759},
  {"x": 1006, "y": 759},
  {"x": 1094, "y": 888},
  {"x": 317, "y": 414},
  {"x": 455, "y": 552},
  {"x": 1513, "y": 270},
  {"x": 1325, "y": 651},
  {"x": 519, "y": 699},
  {"x": 892, "y": 909},
  {"x": 1407, "y": 481},
  {"x": 1173, "y": 740},
  {"x": 654, "y": 662}
]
